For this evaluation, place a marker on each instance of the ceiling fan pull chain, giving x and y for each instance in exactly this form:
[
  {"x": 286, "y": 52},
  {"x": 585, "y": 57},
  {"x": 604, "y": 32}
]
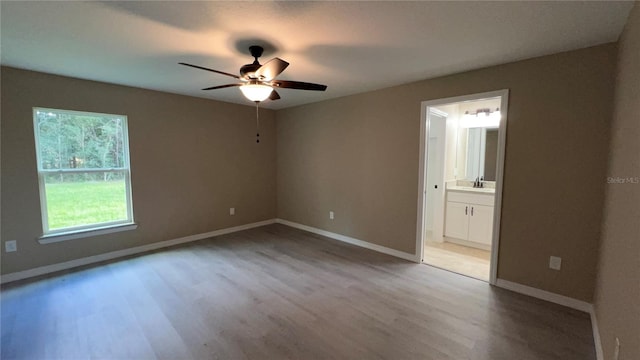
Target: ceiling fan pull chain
[{"x": 257, "y": 123}]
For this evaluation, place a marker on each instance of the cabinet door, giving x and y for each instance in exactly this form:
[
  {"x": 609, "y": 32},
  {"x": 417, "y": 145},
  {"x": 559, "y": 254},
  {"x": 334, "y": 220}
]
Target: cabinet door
[
  {"x": 480, "y": 224},
  {"x": 456, "y": 223}
]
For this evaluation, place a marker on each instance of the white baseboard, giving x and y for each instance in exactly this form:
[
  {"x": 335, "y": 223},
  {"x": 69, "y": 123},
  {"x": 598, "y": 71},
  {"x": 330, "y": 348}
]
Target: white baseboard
[
  {"x": 596, "y": 334},
  {"x": 5, "y": 278},
  {"x": 546, "y": 295},
  {"x": 350, "y": 240},
  {"x": 561, "y": 300},
  {"x": 519, "y": 288}
]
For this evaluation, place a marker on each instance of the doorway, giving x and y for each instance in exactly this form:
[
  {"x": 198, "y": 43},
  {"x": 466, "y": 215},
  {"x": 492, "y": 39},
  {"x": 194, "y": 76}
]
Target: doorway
[{"x": 462, "y": 142}]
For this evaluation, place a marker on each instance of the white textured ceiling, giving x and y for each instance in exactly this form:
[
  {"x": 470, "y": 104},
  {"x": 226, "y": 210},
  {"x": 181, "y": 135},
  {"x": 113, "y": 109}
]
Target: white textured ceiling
[{"x": 352, "y": 47}]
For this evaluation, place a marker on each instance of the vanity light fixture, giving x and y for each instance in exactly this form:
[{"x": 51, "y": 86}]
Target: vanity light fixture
[{"x": 481, "y": 118}]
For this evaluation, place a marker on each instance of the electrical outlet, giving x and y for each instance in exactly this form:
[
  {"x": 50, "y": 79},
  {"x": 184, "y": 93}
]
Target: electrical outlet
[
  {"x": 331, "y": 215},
  {"x": 616, "y": 352},
  {"x": 10, "y": 246},
  {"x": 555, "y": 262},
  {"x": 232, "y": 211}
]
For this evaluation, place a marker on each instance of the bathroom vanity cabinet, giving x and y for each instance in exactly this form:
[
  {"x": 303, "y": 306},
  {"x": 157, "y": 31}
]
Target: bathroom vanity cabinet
[{"x": 469, "y": 217}]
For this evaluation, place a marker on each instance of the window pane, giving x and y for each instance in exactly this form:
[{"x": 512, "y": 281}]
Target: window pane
[
  {"x": 77, "y": 140},
  {"x": 84, "y": 199}
]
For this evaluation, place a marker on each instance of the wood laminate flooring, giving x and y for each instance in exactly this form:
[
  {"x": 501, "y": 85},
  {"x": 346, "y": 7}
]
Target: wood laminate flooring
[{"x": 279, "y": 293}]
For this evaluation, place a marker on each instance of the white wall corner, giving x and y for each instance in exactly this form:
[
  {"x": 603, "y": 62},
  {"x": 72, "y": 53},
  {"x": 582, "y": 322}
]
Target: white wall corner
[{"x": 352, "y": 241}]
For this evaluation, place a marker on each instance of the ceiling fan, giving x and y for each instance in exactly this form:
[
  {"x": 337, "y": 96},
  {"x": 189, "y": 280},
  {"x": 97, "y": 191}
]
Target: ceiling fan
[{"x": 257, "y": 82}]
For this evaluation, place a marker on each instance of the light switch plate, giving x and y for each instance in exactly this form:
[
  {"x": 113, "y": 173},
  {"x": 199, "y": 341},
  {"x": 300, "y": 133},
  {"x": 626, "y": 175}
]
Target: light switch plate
[{"x": 555, "y": 263}]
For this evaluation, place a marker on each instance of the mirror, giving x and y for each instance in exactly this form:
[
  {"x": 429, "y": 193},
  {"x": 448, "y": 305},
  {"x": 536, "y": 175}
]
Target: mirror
[
  {"x": 477, "y": 141},
  {"x": 490, "y": 154},
  {"x": 477, "y": 153}
]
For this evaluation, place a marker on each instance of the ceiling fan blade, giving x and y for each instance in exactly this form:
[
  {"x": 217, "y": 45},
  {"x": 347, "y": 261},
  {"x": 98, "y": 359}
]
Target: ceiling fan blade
[
  {"x": 271, "y": 69},
  {"x": 274, "y": 95},
  {"x": 207, "y": 69},
  {"x": 221, "y": 86},
  {"x": 285, "y": 84}
]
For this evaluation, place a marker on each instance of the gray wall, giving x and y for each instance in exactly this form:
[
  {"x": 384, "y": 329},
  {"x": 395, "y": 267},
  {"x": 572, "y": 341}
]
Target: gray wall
[
  {"x": 358, "y": 156},
  {"x": 617, "y": 299},
  {"x": 191, "y": 160}
]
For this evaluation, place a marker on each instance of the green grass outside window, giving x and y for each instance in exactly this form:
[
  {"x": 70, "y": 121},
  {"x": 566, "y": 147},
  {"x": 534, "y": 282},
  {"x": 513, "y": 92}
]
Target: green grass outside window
[{"x": 84, "y": 203}]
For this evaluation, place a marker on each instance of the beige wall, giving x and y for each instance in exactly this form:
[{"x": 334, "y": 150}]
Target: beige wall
[
  {"x": 617, "y": 299},
  {"x": 191, "y": 160},
  {"x": 358, "y": 156}
]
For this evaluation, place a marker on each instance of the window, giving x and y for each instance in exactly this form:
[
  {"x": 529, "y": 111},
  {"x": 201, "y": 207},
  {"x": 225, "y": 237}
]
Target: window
[{"x": 83, "y": 170}]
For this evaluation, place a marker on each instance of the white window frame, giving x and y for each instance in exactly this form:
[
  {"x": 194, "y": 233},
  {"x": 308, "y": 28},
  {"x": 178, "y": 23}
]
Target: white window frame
[{"x": 74, "y": 232}]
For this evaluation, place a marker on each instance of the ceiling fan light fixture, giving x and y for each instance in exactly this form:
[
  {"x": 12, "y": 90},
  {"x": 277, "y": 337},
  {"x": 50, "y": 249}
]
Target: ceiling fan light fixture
[
  {"x": 257, "y": 81},
  {"x": 256, "y": 92}
]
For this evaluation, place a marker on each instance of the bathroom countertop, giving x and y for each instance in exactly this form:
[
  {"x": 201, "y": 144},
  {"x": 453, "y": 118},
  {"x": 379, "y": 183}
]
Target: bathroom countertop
[{"x": 472, "y": 189}]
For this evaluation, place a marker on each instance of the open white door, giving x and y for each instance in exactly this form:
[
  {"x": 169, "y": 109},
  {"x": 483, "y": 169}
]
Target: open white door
[
  {"x": 435, "y": 165},
  {"x": 434, "y": 193}
]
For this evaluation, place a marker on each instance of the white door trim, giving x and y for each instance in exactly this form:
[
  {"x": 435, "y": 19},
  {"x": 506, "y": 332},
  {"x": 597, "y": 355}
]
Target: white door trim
[{"x": 502, "y": 136}]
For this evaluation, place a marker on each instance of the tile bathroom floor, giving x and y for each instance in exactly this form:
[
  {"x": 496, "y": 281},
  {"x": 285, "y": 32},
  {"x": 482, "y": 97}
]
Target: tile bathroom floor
[{"x": 460, "y": 259}]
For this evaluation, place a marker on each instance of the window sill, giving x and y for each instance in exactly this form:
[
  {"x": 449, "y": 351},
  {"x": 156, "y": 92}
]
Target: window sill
[{"x": 71, "y": 235}]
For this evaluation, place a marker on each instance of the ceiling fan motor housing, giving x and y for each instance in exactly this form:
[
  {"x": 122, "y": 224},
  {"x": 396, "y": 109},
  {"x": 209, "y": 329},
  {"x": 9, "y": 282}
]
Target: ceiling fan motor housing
[
  {"x": 262, "y": 76},
  {"x": 247, "y": 71}
]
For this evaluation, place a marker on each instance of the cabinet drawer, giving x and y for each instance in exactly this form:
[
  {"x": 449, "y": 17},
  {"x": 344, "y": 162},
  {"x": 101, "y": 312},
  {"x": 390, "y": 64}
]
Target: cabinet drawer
[{"x": 468, "y": 198}]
